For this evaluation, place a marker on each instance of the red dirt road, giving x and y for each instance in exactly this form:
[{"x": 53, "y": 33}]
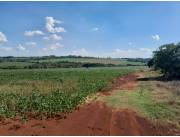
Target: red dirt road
[{"x": 91, "y": 119}]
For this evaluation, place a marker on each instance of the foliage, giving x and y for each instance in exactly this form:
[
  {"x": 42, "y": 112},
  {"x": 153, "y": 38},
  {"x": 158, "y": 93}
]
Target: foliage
[
  {"x": 142, "y": 60},
  {"x": 66, "y": 64},
  {"x": 167, "y": 59}
]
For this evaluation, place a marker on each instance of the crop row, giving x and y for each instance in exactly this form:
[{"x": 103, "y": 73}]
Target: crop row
[{"x": 64, "y": 99}]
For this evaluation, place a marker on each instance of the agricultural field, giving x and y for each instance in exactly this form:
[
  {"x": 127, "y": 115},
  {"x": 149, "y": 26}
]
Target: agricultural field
[
  {"x": 89, "y": 68},
  {"x": 52, "y": 90},
  {"x": 10, "y": 65},
  {"x": 84, "y": 60},
  {"x": 96, "y": 60},
  {"x": 131, "y": 93},
  {"x": 64, "y": 62},
  {"x": 101, "y": 95}
]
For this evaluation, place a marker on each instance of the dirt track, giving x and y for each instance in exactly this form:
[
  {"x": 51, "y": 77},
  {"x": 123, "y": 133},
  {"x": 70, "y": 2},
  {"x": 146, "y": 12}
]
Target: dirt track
[{"x": 91, "y": 119}]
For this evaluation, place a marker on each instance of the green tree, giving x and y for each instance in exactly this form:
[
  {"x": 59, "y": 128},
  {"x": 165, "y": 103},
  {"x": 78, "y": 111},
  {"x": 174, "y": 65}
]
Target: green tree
[{"x": 167, "y": 59}]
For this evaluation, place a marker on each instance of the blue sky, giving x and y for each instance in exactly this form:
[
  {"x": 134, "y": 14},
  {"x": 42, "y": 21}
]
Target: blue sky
[{"x": 115, "y": 29}]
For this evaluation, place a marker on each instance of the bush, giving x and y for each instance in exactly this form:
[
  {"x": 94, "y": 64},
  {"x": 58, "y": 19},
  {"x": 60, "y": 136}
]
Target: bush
[{"x": 167, "y": 59}]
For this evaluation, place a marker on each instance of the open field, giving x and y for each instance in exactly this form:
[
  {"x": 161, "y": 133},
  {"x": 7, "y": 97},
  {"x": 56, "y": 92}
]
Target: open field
[
  {"x": 96, "y": 60},
  {"x": 52, "y": 90},
  {"x": 103, "y": 68},
  {"x": 126, "y": 100},
  {"x": 132, "y": 106},
  {"x": 18, "y": 64},
  {"x": 70, "y": 90},
  {"x": 65, "y": 62}
]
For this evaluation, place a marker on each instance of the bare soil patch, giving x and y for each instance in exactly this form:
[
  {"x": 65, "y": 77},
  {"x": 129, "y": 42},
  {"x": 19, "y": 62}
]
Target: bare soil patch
[
  {"x": 128, "y": 82},
  {"x": 91, "y": 119}
]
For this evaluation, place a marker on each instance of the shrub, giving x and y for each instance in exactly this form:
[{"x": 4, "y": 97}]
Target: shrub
[{"x": 167, "y": 59}]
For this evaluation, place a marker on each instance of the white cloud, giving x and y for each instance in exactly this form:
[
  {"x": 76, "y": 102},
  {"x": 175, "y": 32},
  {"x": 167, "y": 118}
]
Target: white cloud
[
  {"x": 31, "y": 44},
  {"x": 146, "y": 49},
  {"x": 80, "y": 52},
  {"x": 50, "y": 25},
  {"x": 6, "y": 48},
  {"x": 53, "y": 37},
  {"x": 132, "y": 53},
  {"x": 3, "y": 38},
  {"x": 95, "y": 29},
  {"x": 53, "y": 47},
  {"x": 33, "y": 33},
  {"x": 156, "y": 37},
  {"x": 20, "y": 47}
]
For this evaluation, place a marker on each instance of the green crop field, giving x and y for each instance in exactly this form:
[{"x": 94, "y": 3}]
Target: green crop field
[
  {"x": 95, "y": 60},
  {"x": 52, "y": 90},
  {"x": 84, "y": 60},
  {"x": 64, "y": 62},
  {"x": 17, "y": 64}
]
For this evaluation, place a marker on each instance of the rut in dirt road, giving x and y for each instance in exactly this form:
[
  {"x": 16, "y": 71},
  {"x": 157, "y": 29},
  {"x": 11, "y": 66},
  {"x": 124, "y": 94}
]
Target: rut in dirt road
[
  {"x": 91, "y": 119},
  {"x": 98, "y": 119}
]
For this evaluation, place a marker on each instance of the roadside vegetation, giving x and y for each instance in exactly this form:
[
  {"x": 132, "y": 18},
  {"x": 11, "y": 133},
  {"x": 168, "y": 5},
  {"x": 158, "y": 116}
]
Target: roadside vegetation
[
  {"x": 156, "y": 100},
  {"x": 167, "y": 59}
]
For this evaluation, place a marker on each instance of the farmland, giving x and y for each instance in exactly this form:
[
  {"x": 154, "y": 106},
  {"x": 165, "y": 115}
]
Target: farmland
[
  {"x": 97, "y": 92},
  {"x": 92, "y": 95},
  {"x": 65, "y": 62},
  {"x": 51, "y": 90}
]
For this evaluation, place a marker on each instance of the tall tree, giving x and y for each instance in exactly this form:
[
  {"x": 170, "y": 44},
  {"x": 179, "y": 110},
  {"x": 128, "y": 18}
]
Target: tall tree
[{"x": 167, "y": 59}]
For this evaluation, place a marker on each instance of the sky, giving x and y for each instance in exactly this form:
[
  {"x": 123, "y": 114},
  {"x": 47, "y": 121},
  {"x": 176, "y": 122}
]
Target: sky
[{"x": 99, "y": 29}]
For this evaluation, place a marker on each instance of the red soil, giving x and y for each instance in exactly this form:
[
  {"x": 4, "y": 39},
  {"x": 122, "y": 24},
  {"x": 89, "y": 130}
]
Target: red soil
[
  {"x": 91, "y": 119},
  {"x": 128, "y": 82}
]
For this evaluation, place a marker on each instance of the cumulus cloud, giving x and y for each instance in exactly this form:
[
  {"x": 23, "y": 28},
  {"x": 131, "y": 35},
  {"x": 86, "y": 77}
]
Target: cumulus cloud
[
  {"x": 50, "y": 25},
  {"x": 31, "y": 44},
  {"x": 53, "y": 37},
  {"x": 21, "y": 48},
  {"x": 156, "y": 37},
  {"x": 95, "y": 29},
  {"x": 33, "y": 33},
  {"x": 3, "y": 38},
  {"x": 53, "y": 47},
  {"x": 80, "y": 52}
]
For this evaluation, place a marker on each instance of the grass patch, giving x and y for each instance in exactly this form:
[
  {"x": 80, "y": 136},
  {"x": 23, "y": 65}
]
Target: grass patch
[{"x": 142, "y": 100}]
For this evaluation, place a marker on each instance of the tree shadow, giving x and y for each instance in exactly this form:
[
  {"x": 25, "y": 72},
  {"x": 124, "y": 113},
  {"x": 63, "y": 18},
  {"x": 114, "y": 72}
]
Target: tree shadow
[
  {"x": 151, "y": 79},
  {"x": 160, "y": 78}
]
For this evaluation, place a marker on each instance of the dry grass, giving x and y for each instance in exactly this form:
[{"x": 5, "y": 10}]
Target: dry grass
[
  {"x": 168, "y": 94},
  {"x": 158, "y": 100}
]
